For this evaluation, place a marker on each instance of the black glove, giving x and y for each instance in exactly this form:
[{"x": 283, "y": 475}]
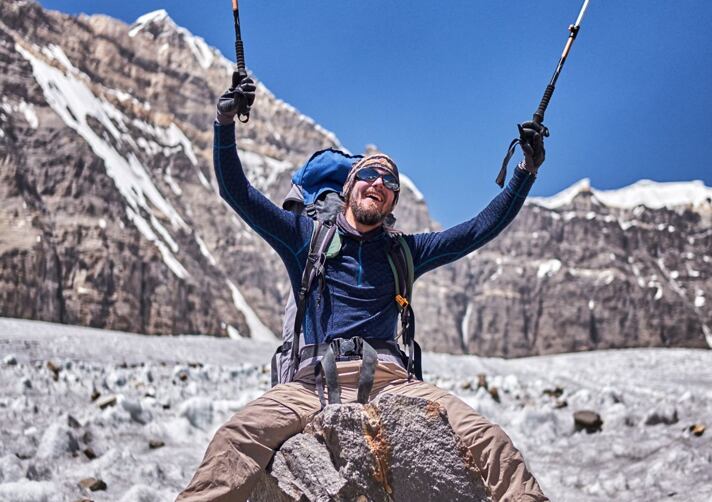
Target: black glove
[
  {"x": 236, "y": 101},
  {"x": 531, "y": 139}
]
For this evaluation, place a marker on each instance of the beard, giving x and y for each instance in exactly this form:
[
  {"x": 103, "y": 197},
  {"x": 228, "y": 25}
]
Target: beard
[{"x": 366, "y": 215}]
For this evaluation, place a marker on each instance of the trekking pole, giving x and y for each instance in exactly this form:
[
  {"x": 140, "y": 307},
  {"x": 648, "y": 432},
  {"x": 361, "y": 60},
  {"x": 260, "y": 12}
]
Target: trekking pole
[
  {"x": 538, "y": 117},
  {"x": 239, "y": 73}
]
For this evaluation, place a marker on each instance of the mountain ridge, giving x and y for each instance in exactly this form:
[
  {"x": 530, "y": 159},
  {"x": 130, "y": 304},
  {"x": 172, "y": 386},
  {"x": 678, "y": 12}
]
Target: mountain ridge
[{"x": 110, "y": 215}]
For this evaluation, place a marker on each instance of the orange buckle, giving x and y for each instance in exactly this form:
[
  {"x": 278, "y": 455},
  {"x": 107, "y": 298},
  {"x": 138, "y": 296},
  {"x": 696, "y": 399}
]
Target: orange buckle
[{"x": 401, "y": 301}]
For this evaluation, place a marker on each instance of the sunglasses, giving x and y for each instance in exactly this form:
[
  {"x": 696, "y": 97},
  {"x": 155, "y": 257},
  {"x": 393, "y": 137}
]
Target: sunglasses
[{"x": 369, "y": 175}]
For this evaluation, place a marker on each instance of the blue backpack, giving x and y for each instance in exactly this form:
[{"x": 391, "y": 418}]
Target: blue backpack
[{"x": 316, "y": 192}]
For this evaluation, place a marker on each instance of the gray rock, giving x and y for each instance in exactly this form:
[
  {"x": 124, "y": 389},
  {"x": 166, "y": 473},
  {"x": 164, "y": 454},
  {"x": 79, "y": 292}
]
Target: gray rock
[
  {"x": 93, "y": 484},
  {"x": 394, "y": 449},
  {"x": 587, "y": 420},
  {"x": 10, "y": 360},
  {"x": 663, "y": 415},
  {"x": 106, "y": 401}
]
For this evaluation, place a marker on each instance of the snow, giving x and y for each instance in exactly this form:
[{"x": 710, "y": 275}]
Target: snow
[
  {"x": 699, "y": 298},
  {"x": 168, "y": 258},
  {"x": 408, "y": 183},
  {"x": 564, "y": 197},
  {"x": 708, "y": 335},
  {"x": 205, "y": 251},
  {"x": 548, "y": 268},
  {"x": 465, "y": 323},
  {"x": 26, "y": 109},
  {"x": 646, "y": 193},
  {"x": 71, "y": 98},
  {"x": 626, "y": 461},
  {"x": 150, "y": 17},
  {"x": 203, "y": 53},
  {"x": 258, "y": 331}
]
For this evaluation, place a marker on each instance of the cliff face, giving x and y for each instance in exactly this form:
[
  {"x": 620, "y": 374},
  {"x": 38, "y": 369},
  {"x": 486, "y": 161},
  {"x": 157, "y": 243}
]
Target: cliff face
[{"x": 110, "y": 216}]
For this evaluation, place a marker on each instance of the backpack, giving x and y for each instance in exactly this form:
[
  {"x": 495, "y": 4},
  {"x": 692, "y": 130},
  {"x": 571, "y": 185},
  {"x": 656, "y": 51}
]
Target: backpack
[{"x": 316, "y": 192}]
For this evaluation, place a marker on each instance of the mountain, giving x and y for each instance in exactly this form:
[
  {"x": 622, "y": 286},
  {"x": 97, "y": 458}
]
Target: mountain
[{"x": 110, "y": 216}]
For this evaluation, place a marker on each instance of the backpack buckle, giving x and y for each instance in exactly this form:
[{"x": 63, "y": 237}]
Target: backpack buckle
[{"x": 400, "y": 300}]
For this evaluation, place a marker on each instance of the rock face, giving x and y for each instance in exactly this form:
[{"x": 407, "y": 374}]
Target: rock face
[
  {"x": 394, "y": 449},
  {"x": 110, "y": 216}
]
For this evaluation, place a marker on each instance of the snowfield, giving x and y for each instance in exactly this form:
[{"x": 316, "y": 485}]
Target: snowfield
[{"x": 137, "y": 412}]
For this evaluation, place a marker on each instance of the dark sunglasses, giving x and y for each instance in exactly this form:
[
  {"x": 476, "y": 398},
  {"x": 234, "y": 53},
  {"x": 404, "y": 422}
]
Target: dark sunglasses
[{"x": 369, "y": 175}]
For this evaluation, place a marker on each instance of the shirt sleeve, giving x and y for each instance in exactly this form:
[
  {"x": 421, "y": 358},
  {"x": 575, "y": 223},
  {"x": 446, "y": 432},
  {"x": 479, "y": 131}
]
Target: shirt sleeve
[
  {"x": 433, "y": 249},
  {"x": 287, "y": 233}
]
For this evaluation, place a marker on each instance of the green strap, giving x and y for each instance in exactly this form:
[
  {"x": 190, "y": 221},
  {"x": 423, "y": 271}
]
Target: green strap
[
  {"x": 409, "y": 264},
  {"x": 395, "y": 274}
]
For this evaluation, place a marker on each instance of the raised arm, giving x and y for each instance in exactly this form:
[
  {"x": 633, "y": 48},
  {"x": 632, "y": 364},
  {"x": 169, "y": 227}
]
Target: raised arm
[
  {"x": 286, "y": 232},
  {"x": 433, "y": 249}
]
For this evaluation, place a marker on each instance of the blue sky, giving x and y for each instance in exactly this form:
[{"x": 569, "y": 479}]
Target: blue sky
[{"x": 440, "y": 86}]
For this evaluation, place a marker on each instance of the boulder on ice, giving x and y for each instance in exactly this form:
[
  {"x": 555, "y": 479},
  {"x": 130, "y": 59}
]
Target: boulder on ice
[{"x": 396, "y": 448}]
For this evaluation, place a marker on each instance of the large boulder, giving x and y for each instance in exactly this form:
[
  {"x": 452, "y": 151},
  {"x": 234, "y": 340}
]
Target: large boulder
[{"x": 396, "y": 448}]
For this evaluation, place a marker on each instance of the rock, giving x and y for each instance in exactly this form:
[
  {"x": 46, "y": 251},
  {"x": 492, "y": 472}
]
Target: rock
[
  {"x": 664, "y": 415},
  {"x": 89, "y": 453},
  {"x": 495, "y": 394},
  {"x": 587, "y": 420},
  {"x": 9, "y": 360},
  {"x": 95, "y": 394},
  {"x": 26, "y": 383},
  {"x": 482, "y": 381},
  {"x": 54, "y": 369},
  {"x": 697, "y": 429},
  {"x": 555, "y": 392},
  {"x": 395, "y": 449},
  {"x": 93, "y": 484},
  {"x": 156, "y": 443},
  {"x": 35, "y": 473},
  {"x": 107, "y": 401},
  {"x": 73, "y": 422}
]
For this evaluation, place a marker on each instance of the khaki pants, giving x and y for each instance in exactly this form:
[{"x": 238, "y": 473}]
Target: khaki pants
[{"x": 243, "y": 446}]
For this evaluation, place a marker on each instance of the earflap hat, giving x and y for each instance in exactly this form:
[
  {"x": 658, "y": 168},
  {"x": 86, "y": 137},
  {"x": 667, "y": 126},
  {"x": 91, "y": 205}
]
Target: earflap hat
[{"x": 379, "y": 161}]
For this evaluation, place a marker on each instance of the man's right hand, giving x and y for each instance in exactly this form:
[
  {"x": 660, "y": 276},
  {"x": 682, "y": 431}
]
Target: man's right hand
[{"x": 236, "y": 100}]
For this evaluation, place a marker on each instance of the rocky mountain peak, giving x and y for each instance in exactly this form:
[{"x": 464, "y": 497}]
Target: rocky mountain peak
[{"x": 163, "y": 30}]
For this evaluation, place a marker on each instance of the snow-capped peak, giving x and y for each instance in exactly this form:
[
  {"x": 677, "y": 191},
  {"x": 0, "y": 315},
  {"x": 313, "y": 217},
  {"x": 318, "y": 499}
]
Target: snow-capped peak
[
  {"x": 647, "y": 193},
  {"x": 159, "y": 22},
  {"x": 155, "y": 17}
]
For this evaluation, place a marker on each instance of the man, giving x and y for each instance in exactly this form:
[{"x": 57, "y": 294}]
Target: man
[{"x": 357, "y": 300}]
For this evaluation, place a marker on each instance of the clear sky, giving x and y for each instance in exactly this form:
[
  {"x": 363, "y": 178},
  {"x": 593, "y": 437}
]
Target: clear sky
[{"x": 440, "y": 85}]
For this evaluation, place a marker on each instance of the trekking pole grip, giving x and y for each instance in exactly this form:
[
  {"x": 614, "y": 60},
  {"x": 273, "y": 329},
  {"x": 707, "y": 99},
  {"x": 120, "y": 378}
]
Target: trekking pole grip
[
  {"x": 539, "y": 114},
  {"x": 240, "y": 56}
]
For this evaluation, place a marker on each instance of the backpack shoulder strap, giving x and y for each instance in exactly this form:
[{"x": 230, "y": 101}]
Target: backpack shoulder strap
[
  {"x": 400, "y": 259},
  {"x": 322, "y": 235}
]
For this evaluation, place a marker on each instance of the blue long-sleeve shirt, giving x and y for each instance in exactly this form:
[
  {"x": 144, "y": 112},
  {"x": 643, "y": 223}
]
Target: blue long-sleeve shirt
[{"x": 359, "y": 290}]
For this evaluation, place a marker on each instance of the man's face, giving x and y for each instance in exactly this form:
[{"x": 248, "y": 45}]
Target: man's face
[{"x": 371, "y": 202}]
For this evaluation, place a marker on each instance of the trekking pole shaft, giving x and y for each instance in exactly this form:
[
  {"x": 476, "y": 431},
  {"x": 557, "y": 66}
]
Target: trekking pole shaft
[
  {"x": 239, "y": 74},
  {"x": 239, "y": 48},
  {"x": 573, "y": 31}
]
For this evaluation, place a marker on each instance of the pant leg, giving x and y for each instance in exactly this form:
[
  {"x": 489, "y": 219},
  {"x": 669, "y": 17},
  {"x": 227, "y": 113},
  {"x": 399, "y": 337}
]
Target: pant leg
[
  {"x": 244, "y": 445},
  {"x": 501, "y": 464}
]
